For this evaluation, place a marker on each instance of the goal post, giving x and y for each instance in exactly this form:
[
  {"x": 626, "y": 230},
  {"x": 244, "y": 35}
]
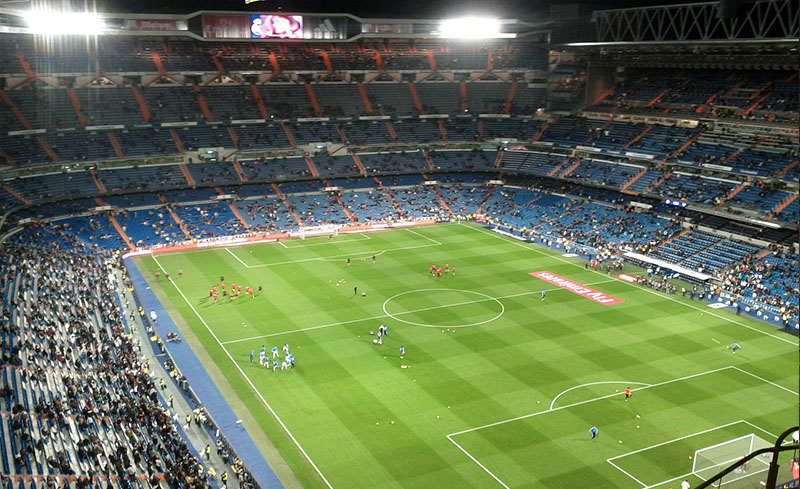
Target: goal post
[{"x": 709, "y": 460}]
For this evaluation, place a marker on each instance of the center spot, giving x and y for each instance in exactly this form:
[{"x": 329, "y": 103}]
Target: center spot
[{"x": 443, "y": 308}]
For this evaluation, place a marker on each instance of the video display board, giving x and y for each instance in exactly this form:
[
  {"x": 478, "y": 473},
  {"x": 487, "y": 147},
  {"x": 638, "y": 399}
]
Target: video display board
[{"x": 270, "y": 26}]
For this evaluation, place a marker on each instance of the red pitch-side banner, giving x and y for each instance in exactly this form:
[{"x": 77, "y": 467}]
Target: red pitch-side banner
[{"x": 577, "y": 288}]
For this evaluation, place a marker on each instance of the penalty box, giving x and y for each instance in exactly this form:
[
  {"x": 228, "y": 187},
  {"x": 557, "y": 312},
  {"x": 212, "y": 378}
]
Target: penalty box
[{"x": 554, "y": 444}]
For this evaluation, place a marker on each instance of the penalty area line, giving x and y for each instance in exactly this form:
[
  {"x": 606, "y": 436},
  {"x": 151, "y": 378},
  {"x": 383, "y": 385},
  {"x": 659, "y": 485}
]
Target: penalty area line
[{"x": 249, "y": 382}]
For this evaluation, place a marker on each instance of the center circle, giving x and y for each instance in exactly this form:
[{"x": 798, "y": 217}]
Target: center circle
[{"x": 413, "y": 304}]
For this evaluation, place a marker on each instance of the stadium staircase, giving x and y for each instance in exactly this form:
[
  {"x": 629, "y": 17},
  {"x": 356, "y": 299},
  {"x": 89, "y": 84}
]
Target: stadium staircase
[
  {"x": 286, "y": 203},
  {"x": 732, "y": 194},
  {"x": 26, "y": 67},
  {"x": 559, "y": 167},
  {"x": 485, "y": 199},
  {"x": 121, "y": 231},
  {"x": 175, "y": 217},
  {"x": 783, "y": 205},
  {"x": 571, "y": 168},
  {"x": 656, "y": 99},
  {"x": 688, "y": 143},
  {"x": 633, "y": 180},
  {"x": 791, "y": 165},
  {"x": 637, "y": 138},
  {"x": 658, "y": 182},
  {"x": 388, "y": 194},
  {"x": 234, "y": 210},
  {"x": 15, "y": 194}
]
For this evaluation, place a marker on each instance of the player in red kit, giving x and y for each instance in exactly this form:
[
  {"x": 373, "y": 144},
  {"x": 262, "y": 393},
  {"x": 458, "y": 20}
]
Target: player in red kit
[{"x": 439, "y": 272}]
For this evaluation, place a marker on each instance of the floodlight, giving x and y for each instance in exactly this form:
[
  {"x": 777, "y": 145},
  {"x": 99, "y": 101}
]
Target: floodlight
[
  {"x": 59, "y": 23},
  {"x": 470, "y": 28}
]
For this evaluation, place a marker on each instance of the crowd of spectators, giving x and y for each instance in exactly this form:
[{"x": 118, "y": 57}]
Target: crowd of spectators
[{"x": 85, "y": 404}]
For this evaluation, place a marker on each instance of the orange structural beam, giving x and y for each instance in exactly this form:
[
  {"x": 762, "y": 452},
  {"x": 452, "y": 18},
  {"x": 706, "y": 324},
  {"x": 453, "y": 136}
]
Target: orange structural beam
[
  {"x": 121, "y": 232},
  {"x": 98, "y": 183},
  {"x": 177, "y": 140},
  {"x": 14, "y": 110},
  {"x": 283, "y": 199},
  {"x": 311, "y": 167},
  {"x": 432, "y": 61},
  {"x": 327, "y": 60},
  {"x": 142, "y": 104},
  {"x": 313, "y": 99},
  {"x": 259, "y": 101},
  {"x": 442, "y": 131},
  {"x": 239, "y": 171},
  {"x": 417, "y": 102},
  {"x": 15, "y": 194},
  {"x": 218, "y": 64},
  {"x": 26, "y": 67},
  {"x": 47, "y": 149},
  {"x": 234, "y": 138},
  {"x": 115, "y": 145},
  {"x": 389, "y": 196},
  {"x": 289, "y": 135},
  {"x": 76, "y": 105},
  {"x": 358, "y": 163},
  {"x": 512, "y": 92},
  {"x": 159, "y": 65},
  {"x": 186, "y": 174},
  {"x": 273, "y": 60},
  {"x": 201, "y": 101},
  {"x": 364, "y": 98},
  {"x": 391, "y": 131}
]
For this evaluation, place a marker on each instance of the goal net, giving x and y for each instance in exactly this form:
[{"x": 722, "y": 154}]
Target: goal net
[{"x": 708, "y": 461}]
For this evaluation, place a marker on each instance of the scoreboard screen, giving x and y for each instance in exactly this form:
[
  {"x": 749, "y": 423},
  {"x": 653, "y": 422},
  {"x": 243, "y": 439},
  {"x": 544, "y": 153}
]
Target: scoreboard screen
[{"x": 276, "y": 26}]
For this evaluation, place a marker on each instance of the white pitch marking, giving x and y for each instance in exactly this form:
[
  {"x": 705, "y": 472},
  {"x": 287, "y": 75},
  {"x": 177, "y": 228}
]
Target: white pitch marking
[
  {"x": 532, "y": 248},
  {"x": 626, "y": 473},
  {"x": 324, "y": 258},
  {"x": 249, "y": 382},
  {"x": 593, "y": 383},
  {"x": 237, "y": 258},
  {"x": 477, "y": 462},
  {"x": 524, "y": 416},
  {"x": 767, "y": 381},
  {"x": 382, "y": 316},
  {"x": 423, "y": 236}
]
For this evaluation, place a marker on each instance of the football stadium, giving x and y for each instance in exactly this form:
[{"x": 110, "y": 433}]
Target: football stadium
[{"x": 272, "y": 248}]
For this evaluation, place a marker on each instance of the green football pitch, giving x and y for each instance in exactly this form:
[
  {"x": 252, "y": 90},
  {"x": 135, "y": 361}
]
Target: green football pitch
[{"x": 498, "y": 387}]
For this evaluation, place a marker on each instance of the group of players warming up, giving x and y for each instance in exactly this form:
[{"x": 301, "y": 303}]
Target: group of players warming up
[{"x": 436, "y": 271}]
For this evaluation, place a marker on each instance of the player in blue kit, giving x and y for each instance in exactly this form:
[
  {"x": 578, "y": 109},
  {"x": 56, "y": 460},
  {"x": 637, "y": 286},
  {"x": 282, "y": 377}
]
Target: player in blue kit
[
  {"x": 543, "y": 294},
  {"x": 593, "y": 432}
]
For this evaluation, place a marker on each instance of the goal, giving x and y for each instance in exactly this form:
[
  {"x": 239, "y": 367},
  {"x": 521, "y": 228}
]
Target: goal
[{"x": 710, "y": 460}]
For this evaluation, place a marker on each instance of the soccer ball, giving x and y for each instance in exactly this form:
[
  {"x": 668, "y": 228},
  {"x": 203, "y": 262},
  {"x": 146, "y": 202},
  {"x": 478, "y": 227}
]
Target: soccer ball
[{"x": 363, "y": 294}]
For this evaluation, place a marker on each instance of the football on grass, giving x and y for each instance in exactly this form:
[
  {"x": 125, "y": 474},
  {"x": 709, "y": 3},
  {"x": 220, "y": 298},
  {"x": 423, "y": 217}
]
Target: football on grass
[{"x": 363, "y": 294}]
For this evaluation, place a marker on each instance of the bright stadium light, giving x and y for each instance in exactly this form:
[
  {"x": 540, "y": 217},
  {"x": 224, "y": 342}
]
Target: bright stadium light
[
  {"x": 471, "y": 28},
  {"x": 58, "y": 23}
]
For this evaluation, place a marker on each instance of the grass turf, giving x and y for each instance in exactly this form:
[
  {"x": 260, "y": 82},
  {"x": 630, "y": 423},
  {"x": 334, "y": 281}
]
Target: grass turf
[{"x": 366, "y": 422}]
